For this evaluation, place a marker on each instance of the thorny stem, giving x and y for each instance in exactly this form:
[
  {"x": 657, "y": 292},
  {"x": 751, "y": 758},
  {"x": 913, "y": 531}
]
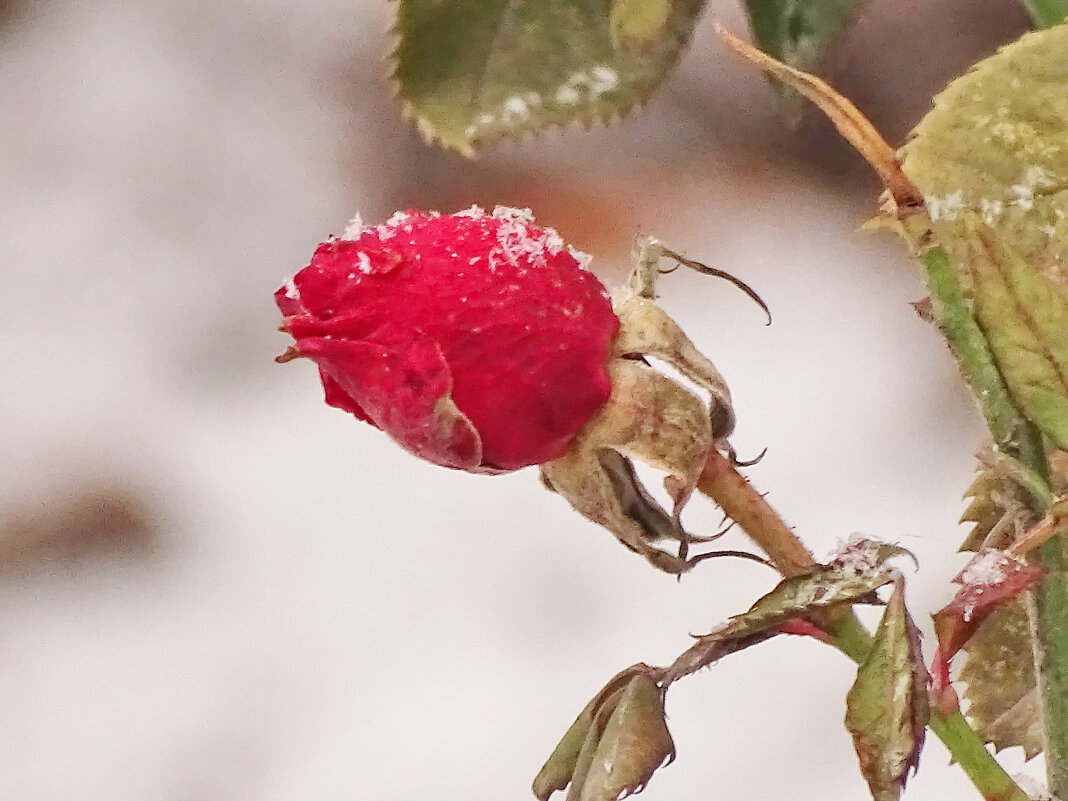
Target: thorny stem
[
  {"x": 741, "y": 502},
  {"x": 746, "y": 507}
]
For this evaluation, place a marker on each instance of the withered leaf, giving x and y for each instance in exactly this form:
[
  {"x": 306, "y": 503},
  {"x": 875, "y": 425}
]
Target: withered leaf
[
  {"x": 999, "y": 679},
  {"x": 887, "y": 707}
]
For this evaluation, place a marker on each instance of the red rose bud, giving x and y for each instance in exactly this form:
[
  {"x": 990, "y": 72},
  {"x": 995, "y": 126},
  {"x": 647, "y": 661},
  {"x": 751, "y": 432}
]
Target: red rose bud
[{"x": 476, "y": 341}]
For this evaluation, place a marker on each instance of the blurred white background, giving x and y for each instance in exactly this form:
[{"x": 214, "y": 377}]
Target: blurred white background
[{"x": 215, "y": 588}]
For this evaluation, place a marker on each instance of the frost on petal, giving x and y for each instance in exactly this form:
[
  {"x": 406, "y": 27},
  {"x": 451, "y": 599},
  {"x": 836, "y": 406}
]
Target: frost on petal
[
  {"x": 524, "y": 331},
  {"x": 401, "y": 381},
  {"x": 354, "y": 228}
]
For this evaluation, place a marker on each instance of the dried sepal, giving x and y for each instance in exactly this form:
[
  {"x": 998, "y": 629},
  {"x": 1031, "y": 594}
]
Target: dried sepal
[
  {"x": 887, "y": 707},
  {"x": 645, "y": 330},
  {"x": 650, "y": 418}
]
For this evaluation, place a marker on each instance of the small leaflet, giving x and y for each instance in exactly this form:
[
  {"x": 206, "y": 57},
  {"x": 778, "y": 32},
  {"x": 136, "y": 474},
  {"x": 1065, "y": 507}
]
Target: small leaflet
[
  {"x": 887, "y": 707},
  {"x": 999, "y": 681}
]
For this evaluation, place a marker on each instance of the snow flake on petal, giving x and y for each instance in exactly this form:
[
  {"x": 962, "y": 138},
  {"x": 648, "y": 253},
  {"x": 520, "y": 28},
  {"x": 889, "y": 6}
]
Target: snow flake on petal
[
  {"x": 584, "y": 259},
  {"x": 291, "y": 289},
  {"x": 354, "y": 228}
]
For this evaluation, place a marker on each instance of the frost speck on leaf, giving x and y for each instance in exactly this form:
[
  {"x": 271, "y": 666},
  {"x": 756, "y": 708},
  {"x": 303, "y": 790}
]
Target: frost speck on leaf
[
  {"x": 947, "y": 207},
  {"x": 859, "y": 555}
]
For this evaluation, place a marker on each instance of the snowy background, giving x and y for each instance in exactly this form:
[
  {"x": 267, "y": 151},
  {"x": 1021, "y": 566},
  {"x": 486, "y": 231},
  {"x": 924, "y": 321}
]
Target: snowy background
[{"x": 215, "y": 588}]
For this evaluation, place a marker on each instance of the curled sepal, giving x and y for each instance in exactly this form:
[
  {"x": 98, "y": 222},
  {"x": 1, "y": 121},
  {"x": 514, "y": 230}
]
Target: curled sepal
[
  {"x": 887, "y": 707},
  {"x": 853, "y": 576},
  {"x": 990, "y": 579},
  {"x": 1000, "y": 684},
  {"x": 652, "y": 419},
  {"x": 614, "y": 745}
]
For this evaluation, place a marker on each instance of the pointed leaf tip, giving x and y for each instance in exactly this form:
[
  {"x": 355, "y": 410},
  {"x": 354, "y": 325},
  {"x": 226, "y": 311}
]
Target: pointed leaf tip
[{"x": 887, "y": 708}]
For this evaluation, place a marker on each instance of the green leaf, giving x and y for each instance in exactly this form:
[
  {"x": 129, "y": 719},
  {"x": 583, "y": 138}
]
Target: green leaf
[
  {"x": 470, "y": 74},
  {"x": 1046, "y": 13},
  {"x": 798, "y": 32},
  {"x": 887, "y": 707},
  {"x": 999, "y": 678},
  {"x": 990, "y": 161},
  {"x": 852, "y": 577}
]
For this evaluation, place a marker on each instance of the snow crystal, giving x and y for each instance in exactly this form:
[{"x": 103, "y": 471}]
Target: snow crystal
[
  {"x": 858, "y": 555},
  {"x": 603, "y": 79},
  {"x": 568, "y": 95},
  {"x": 364, "y": 263},
  {"x": 291, "y": 289},
  {"x": 353, "y": 229},
  {"x": 584, "y": 259},
  {"x": 987, "y": 568},
  {"x": 1023, "y": 196},
  {"x": 1034, "y": 177},
  {"x": 554, "y": 243},
  {"x": 990, "y": 210},
  {"x": 398, "y": 219},
  {"x": 516, "y": 107},
  {"x": 507, "y": 213},
  {"x": 945, "y": 208},
  {"x": 475, "y": 213}
]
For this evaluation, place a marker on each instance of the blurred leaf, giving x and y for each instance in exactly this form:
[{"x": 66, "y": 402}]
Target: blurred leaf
[
  {"x": 990, "y": 579},
  {"x": 887, "y": 707},
  {"x": 990, "y": 161},
  {"x": 798, "y": 32},
  {"x": 1046, "y": 13},
  {"x": 638, "y": 23},
  {"x": 999, "y": 678},
  {"x": 853, "y": 576},
  {"x": 470, "y": 74}
]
